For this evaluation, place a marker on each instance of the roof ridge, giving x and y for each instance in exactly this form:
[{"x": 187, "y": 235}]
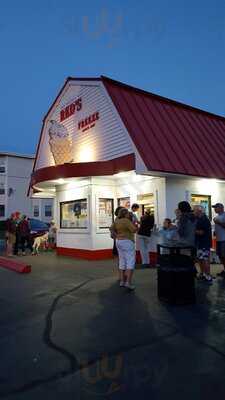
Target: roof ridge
[{"x": 162, "y": 98}]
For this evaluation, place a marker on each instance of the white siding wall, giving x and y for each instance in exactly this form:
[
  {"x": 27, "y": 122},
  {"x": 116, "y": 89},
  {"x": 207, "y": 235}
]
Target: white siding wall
[
  {"x": 107, "y": 140},
  {"x": 179, "y": 189},
  {"x": 18, "y": 178},
  {"x": 98, "y": 187},
  {"x": 41, "y": 203},
  {"x": 73, "y": 238}
]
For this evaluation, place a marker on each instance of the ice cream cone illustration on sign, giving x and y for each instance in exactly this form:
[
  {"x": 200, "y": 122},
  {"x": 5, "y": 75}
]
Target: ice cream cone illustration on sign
[{"x": 60, "y": 143}]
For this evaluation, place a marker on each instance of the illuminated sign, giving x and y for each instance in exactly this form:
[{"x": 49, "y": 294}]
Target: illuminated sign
[
  {"x": 88, "y": 122},
  {"x": 70, "y": 109}
]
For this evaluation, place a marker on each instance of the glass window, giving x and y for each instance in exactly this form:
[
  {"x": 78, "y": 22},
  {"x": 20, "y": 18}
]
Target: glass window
[
  {"x": 124, "y": 202},
  {"x": 36, "y": 211},
  {"x": 2, "y": 167},
  {"x": 202, "y": 200},
  {"x": 48, "y": 210},
  {"x": 105, "y": 213},
  {"x": 146, "y": 202},
  {"x": 2, "y": 188},
  {"x": 73, "y": 214},
  {"x": 2, "y": 210}
]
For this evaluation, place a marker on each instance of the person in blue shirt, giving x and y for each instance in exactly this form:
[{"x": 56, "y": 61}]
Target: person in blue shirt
[{"x": 203, "y": 241}]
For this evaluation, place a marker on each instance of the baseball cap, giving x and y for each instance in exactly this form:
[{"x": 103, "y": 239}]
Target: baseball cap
[{"x": 218, "y": 205}]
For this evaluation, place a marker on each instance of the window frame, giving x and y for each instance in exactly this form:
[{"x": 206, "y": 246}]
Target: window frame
[
  {"x": 2, "y": 215},
  {"x": 76, "y": 228},
  {"x": 36, "y": 206},
  {"x": 48, "y": 215},
  {"x": 209, "y": 200},
  {"x": 102, "y": 228}
]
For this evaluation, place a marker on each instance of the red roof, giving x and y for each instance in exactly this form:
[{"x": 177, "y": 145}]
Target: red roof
[{"x": 170, "y": 136}]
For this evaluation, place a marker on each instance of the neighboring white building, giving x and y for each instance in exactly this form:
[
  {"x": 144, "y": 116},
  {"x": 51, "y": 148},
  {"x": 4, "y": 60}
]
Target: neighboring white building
[{"x": 15, "y": 171}]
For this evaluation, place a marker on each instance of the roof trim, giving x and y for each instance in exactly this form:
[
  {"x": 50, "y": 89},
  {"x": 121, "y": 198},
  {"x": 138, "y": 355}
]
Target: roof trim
[
  {"x": 18, "y": 155},
  {"x": 75, "y": 170}
]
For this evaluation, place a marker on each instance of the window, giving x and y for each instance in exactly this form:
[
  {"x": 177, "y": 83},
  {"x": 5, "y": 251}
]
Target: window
[
  {"x": 73, "y": 214},
  {"x": 124, "y": 202},
  {"x": 204, "y": 201},
  {"x": 2, "y": 210},
  {"x": 146, "y": 202},
  {"x": 48, "y": 210},
  {"x": 36, "y": 211},
  {"x": 2, "y": 167},
  {"x": 105, "y": 213},
  {"x": 2, "y": 188}
]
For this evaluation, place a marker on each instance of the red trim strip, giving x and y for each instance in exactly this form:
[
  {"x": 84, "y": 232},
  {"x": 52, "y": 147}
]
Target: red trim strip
[
  {"x": 85, "y": 254},
  {"x": 98, "y": 254},
  {"x": 125, "y": 163},
  {"x": 16, "y": 266}
]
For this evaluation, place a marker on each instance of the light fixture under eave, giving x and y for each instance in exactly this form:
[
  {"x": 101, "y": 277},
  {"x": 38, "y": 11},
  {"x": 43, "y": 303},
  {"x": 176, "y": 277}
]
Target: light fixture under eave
[
  {"x": 121, "y": 175},
  {"x": 59, "y": 181}
]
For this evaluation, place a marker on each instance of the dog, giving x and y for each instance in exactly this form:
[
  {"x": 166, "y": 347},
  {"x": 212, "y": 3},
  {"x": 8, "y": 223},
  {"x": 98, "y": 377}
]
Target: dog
[{"x": 38, "y": 241}]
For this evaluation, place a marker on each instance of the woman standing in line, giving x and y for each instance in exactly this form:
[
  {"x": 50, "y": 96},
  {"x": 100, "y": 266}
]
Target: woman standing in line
[
  {"x": 113, "y": 235},
  {"x": 125, "y": 231}
]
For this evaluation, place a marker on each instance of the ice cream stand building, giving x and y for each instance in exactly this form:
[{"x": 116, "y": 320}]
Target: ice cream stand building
[{"x": 104, "y": 143}]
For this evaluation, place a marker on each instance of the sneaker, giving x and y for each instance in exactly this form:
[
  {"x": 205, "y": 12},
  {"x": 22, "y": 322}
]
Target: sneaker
[
  {"x": 122, "y": 284},
  {"x": 129, "y": 286},
  {"x": 200, "y": 277},
  {"x": 221, "y": 274}
]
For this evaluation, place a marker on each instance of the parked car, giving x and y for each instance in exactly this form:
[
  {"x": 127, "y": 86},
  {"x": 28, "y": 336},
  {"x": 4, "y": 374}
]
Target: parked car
[{"x": 38, "y": 228}]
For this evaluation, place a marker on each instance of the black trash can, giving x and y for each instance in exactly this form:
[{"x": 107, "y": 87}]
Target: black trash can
[{"x": 176, "y": 275}]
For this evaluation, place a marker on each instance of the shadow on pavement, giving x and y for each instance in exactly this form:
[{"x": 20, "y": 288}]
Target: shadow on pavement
[{"x": 129, "y": 366}]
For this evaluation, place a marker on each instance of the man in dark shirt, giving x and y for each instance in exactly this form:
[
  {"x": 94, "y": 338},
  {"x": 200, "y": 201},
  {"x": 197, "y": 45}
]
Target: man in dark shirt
[
  {"x": 143, "y": 236},
  {"x": 24, "y": 234},
  {"x": 203, "y": 240}
]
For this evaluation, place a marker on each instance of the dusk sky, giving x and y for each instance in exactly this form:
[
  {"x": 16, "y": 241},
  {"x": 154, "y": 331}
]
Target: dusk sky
[{"x": 172, "y": 48}]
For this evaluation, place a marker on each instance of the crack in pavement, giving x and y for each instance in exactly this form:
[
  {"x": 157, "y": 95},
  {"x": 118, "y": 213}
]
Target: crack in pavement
[
  {"x": 48, "y": 328},
  {"x": 74, "y": 365},
  {"x": 48, "y": 341}
]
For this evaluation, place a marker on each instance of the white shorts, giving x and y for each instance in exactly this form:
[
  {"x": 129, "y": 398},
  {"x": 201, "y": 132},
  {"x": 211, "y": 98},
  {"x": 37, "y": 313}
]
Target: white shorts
[{"x": 126, "y": 251}]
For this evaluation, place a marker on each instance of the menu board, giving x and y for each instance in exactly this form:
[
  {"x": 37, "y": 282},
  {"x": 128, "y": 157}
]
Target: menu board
[
  {"x": 105, "y": 213},
  {"x": 73, "y": 214}
]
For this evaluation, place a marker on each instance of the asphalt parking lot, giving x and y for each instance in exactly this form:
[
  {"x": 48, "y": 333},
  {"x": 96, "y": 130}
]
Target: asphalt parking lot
[{"x": 68, "y": 331}]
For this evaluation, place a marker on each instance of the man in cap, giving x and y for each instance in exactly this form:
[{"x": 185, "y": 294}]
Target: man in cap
[{"x": 219, "y": 221}]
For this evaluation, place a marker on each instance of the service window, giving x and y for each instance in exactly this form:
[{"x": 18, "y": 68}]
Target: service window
[
  {"x": 2, "y": 188},
  {"x": 74, "y": 214},
  {"x": 204, "y": 201},
  {"x": 36, "y": 211},
  {"x": 124, "y": 202},
  {"x": 48, "y": 210},
  {"x": 2, "y": 210},
  {"x": 146, "y": 202},
  {"x": 105, "y": 213}
]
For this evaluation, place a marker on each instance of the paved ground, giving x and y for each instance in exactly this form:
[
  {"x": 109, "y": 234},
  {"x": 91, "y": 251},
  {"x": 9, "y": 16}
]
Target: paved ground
[{"x": 68, "y": 332}]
